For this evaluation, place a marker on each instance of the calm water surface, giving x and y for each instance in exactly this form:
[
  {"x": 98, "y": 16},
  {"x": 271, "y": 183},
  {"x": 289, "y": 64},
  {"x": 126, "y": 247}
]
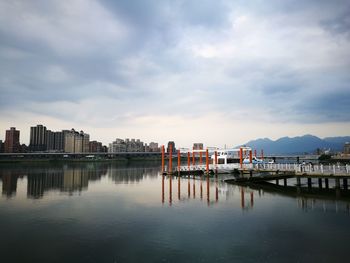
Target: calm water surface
[{"x": 124, "y": 212}]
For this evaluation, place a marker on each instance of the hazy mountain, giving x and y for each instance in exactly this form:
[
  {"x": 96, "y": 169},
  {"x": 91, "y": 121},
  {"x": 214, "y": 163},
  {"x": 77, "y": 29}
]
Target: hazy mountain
[{"x": 301, "y": 144}]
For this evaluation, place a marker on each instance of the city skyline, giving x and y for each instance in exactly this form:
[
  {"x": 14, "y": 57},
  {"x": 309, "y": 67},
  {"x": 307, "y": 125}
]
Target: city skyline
[{"x": 217, "y": 72}]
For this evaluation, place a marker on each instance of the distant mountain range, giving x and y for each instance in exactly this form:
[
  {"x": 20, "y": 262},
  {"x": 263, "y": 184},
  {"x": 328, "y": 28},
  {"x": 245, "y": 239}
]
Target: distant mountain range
[{"x": 296, "y": 145}]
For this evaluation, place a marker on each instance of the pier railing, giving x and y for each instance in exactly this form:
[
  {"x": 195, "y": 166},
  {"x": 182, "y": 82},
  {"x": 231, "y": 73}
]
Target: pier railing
[{"x": 310, "y": 169}]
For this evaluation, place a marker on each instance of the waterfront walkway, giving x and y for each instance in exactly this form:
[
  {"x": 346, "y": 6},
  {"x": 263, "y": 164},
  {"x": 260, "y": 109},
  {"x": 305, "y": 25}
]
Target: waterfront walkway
[{"x": 277, "y": 168}]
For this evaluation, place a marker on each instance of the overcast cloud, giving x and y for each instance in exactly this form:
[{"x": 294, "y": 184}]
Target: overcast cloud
[{"x": 212, "y": 71}]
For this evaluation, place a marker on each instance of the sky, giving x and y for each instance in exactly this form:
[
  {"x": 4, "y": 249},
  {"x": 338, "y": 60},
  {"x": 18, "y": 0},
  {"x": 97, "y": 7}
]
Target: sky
[{"x": 218, "y": 72}]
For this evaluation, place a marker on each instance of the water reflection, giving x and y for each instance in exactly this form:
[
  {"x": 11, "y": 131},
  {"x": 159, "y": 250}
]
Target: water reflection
[
  {"x": 191, "y": 184},
  {"x": 73, "y": 178},
  {"x": 9, "y": 182}
]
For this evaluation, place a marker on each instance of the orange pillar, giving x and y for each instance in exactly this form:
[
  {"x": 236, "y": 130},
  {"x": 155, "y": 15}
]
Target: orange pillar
[
  {"x": 188, "y": 160},
  {"x": 200, "y": 158},
  {"x": 178, "y": 160},
  {"x": 241, "y": 156},
  {"x": 162, "y": 158},
  {"x": 216, "y": 157},
  {"x": 262, "y": 154},
  {"x": 193, "y": 161},
  {"x": 250, "y": 156},
  {"x": 207, "y": 160},
  {"x": 170, "y": 158}
]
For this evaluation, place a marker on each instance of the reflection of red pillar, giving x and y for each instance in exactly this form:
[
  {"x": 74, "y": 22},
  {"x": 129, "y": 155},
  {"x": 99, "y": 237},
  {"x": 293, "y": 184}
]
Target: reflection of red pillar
[
  {"x": 251, "y": 199},
  {"x": 200, "y": 158},
  {"x": 163, "y": 189},
  {"x": 170, "y": 190},
  {"x": 241, "y": 156},
  {"x": 162, "y": 158},
  {"x": 201, "y": 189},
  {"x": 178, "y": 188},
  {"x": 178, "y": 160},
  {"x": 194, "y": 188},
  {"x": 188, "y": 187},
  {"x": 170, "y": 158},
  {"x": 208, "y": 194},
  {"x": 250, "y": 156},
  {"x": 262, "y": 154},
  {"x": 216, "y": 189},
  {"x": 207, "y": 160},
  {"x": 242, "y": 198}
]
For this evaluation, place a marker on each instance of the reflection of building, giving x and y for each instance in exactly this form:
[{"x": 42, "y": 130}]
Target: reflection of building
[
  {"x": 347, "y": 148},
  {"x": 38, "y": 182},
  {"x": 9, "y": 183},
  {"x": 130, "y": 175},
  {"x": 12, "y": 141},
  {"x": 69, "y": 179},
  {"x": 172, "y": 145},
  {"x": 198, "y": 146},
  {"x": 74, "y": 180}
]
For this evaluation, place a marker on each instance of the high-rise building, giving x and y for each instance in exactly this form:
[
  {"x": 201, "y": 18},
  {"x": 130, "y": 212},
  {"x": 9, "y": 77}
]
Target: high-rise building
[
  {"x": 347, "y": 148},
  {"x": 85, "y": 142},
  {"x": 38, "y": 138},
  {"x": 172, "y": 143},
  {"x": 12, "y": 144},
  {"x": 1, "y": 146},
  {"x": 50, "y": 140},
  {"x": 95, "y": 147},
  {"x": 59, "y": 141},
  {"x": 153, "y": 147},
  {"x": 127, "y": 145},
  {"x": 198, "y": 146},
  {"x": 75, "y": 142},
  {"x": 69, "y": 141}
]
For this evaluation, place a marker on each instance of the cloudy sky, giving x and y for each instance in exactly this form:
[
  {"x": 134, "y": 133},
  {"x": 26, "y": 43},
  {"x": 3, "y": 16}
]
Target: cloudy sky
[{"x": 218, "y": 72}]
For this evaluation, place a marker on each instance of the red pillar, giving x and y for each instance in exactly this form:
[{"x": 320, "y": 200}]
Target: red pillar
[
  {"x": 250, "y": 156},
  {"x": 207, "y": 160},
  {"x": 178, "y": 160},
  {"x": 216, "y": 157},
  {"x": 255, "y": 153},
  {"x": 170, "y": 158},
  {"x": 262, "y": 154},
  {"x": 188, "y": 160},
  {"x": 241, "y": 157},
  {"x": 200, "y": 158},
  {"x": 162, "y": 158},
  {"x": 193, "y": 161}
]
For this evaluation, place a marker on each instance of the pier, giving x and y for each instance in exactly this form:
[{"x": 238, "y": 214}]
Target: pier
[{"x": 258, "y": 172}]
